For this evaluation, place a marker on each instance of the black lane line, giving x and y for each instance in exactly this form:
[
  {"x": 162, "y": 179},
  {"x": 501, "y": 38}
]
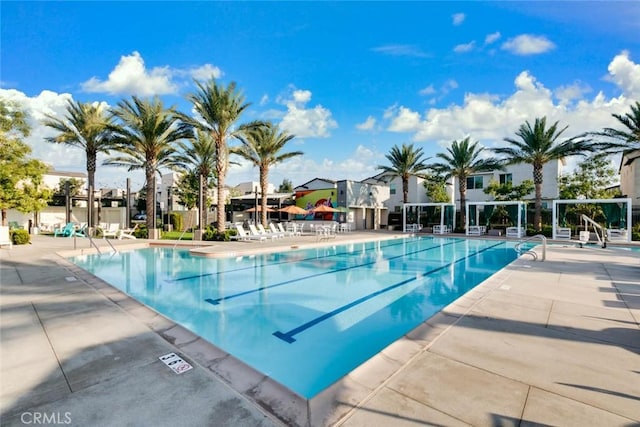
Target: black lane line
[
  {"x": 216, "y": 301},
  {"x": 288, "y": 336},
  {"x": 278, "y": 263}
]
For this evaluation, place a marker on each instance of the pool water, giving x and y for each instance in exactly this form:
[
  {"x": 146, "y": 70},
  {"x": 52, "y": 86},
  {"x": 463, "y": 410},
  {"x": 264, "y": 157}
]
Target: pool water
[{"x": 305, "y": 317}]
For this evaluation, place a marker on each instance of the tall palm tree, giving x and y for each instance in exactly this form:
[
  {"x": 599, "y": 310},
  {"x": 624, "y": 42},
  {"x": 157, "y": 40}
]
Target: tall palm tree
[
  {"x": 406, "y": 161},
  {"x": 537, "y": 146},
  {"x": 219, "y": 109},
  {"x": 462, "y": 160},
  {"x": 146, "y": 139},
  {"x": 86, "y": 126},
  {"x": 622, "y": 140},
  {"x": 262, "y": 147},
  {"x": 199, "y": 156}
]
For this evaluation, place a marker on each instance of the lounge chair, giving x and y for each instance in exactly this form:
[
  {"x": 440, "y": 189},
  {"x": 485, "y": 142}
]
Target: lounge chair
[
  {"x": 67, "y": 231},
  {"x": 127, "y": 233},
  {"x": 274, "y": 230},
  {"x": 5, "y": 238},
  {"x": 476, "y": 230},
  {"x": 254, "y": 231},
  {"x": 619, "y": 234},
  {"x": 284, "y": 232},
  {"x": 515, "y": 232},
  {"x": 563, "y": 233},
  {"x": 111, "y": 231},
  {"x": 243, "y": 235}
]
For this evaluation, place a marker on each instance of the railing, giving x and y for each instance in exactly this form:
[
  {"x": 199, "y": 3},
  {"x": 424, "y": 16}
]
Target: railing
[
  {"x": 588, "y": 221},
  {"x": 520, "y": 251}
]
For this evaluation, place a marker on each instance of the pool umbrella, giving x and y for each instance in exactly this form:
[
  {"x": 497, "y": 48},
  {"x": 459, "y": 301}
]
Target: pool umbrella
[
  {"x": 294, "y": 210},
  {"x": 324, "y": 208},
  {"x": 259, "y": 209}
]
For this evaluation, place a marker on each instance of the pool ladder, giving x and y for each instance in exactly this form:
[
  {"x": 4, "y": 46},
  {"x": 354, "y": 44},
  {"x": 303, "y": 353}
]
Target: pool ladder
[{"x": 520, "y": 251}]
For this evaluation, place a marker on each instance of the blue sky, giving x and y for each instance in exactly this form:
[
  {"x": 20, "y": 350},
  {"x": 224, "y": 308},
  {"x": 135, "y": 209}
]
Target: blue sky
[{"x": 349, "y": 79}]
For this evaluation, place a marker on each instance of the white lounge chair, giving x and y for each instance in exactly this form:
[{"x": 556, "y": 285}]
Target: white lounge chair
[
  {"x": 127, "y": 233},
  {"x": 619, "y": 234},
  {"x": 259, "y": 230},
  {"x": 515, "y": 232},
  {"x": 110, "y": 231},
  {"x": 476, "y": 230},
  {"x": 283, "y": 231},
  {"x": 243, "y": 235},
  {"x": 563, "y": 233},
  {"x": 275, "y": 231},
  {"x": 5, "y": 238}
]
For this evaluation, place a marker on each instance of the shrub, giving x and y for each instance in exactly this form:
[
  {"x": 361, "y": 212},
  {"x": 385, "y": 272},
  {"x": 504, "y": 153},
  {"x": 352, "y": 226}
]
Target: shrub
[
  {"x": 20, "y": 237},
  {"x": 212, "y": 234},
  {"x": 635, "y": 232},
  {"x": 141, "y": 232},
  {"x": 175, "y": 219}
]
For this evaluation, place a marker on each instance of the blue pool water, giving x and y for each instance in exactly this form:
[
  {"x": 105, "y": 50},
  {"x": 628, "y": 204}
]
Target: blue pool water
[{"x": 306, "y": 317}]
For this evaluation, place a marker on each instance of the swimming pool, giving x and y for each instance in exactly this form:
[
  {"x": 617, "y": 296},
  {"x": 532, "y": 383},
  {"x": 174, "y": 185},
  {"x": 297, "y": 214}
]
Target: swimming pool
[{"x": 305, "y": 317}]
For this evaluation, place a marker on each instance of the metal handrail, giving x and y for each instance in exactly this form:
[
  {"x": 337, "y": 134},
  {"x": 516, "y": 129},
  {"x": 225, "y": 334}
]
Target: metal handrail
[
  {"x": 543, "y": 239},
  {"x": 595, "y": 226}
]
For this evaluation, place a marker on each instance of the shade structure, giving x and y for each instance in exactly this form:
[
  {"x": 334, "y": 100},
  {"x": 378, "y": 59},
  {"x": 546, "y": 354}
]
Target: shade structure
[
  {"x": 294, "y": 210},
  {"x": 324, "y": 208},
  {"x": 259, "y": 209}
]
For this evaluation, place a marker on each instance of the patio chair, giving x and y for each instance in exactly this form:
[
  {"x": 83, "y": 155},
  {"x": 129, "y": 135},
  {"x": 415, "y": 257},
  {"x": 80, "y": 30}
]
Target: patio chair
[
  {"x": 255, "y": 231},
  {"x": 274, "y": 230},
  {"x": 127, "y": 233},
  {"x": 111, "y": 231},
  {"x": 515, "y": 232},
  {"x": 285, "y": 232},
  {"x": 243, "y": 235},
  {"x": 563, "y": 233},
  {"x": 5, "y": 238},
  {"x": 67, "y": 231}
]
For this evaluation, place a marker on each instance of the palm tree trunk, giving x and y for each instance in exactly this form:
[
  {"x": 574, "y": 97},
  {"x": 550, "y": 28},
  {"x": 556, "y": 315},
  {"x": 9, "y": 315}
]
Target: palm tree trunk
[
  {"x": 91, "y": 174},
  {"x": 263, "y": 200},
  {"x": 151, "y": 201},
  {"x": 405, "y": 189},
  {"x": 221, "y": 170},
  {"x": 537, "y": 180},
  {"x": 463, "y": 202}
]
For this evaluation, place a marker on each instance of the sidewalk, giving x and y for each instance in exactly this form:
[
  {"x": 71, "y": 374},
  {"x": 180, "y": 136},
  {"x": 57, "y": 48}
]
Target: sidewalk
[{"x": 551, "y": 343}]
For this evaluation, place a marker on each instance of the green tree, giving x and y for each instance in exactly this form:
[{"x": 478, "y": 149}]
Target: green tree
[
  {"x": 262, "y": 146},
  {"x": 146, "y": 138},
  {"x": 406, "y": 161},
  {"x": 537, "y": 146},
  {"x": 615, "y": 140},
  {"x": 592, "y": 179},
  {"x": 219, "y": 109},
  {"x": 85, "y": 126},
  {"x": 436, "y": 188},
  {"x": 286, "y": 186},
  {"x": 460, "y": 161},
  {"x": 508, "y": 191},
  {"x": 186, "y": 189},
  {"x": 20, "y": 175}
]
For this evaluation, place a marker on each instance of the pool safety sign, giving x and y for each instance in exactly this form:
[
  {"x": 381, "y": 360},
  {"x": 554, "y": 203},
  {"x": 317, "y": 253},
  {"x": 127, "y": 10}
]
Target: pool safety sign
[{"x": 176, "y": 363}]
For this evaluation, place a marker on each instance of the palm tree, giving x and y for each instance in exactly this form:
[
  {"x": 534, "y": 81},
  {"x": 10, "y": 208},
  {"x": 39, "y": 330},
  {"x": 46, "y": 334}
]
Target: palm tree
[
  {"x": 538, "y": 146},
  {"x": 460, "y": 161},
  {"x": 146, "y": 139},
  {"x": 219, "y": 109},
  {"x": 200, "y": 155},
  {"x": 85, "y": 126},
  {"x": 262, "y": 147},
  {"x": 622, "y": 140},
  {"x": 406, "y": 161}
]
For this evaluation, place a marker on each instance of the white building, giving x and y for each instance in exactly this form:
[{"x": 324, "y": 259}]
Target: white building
[{"x": 630, "y": 177}]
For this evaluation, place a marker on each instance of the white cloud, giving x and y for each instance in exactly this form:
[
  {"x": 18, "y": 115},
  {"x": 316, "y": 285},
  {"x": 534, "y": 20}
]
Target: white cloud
[
  {"x": 130, "y": 77},
  {"x": 492, "y": 38},
  {"x": 429, "y": 90},
  {"x": 368, "y": 124},
  {"x": 205, "y": 72},
  {"x": 401, "y": 50},
  {"x": 462, "y": 48},
  {"x": 264, "y": 100},
  {"x": 490, "y": 118},
  {"x": 527, "y": 44},
  {"x": 625, "y": 74},
  {"x": 458, "y": 18},
  {"x": 306, "y": 122}
]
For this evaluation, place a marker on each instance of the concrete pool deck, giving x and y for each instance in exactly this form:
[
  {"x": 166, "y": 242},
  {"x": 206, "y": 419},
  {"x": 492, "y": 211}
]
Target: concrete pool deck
[{"x": 546, "y": 343}]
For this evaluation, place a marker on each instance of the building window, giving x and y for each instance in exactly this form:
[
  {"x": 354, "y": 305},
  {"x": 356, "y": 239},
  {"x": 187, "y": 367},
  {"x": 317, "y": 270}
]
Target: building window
[
  {"x": 474, "y": 182},
  {"x": 392, "y": 189},
  {"x": 505, "y": 178}
]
